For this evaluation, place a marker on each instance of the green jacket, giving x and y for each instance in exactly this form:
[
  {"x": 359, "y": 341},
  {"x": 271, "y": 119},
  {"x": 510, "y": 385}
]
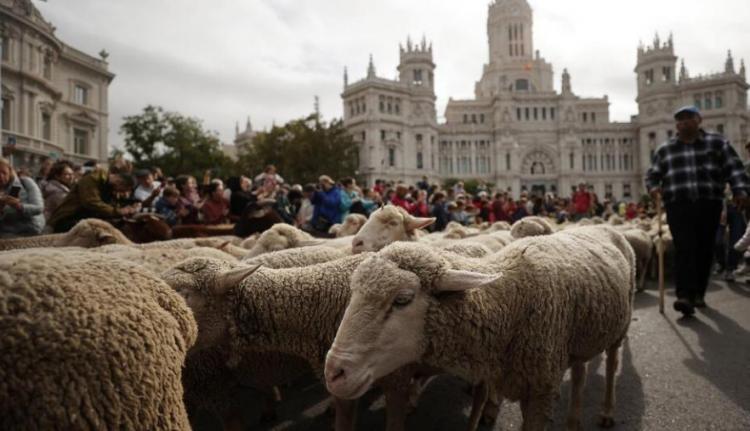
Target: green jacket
[{"x": 87, "y": 199}]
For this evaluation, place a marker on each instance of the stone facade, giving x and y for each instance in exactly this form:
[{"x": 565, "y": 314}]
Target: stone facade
[
  {"x": 518, "y": 132},
  {"x": 55, "y": 97}
]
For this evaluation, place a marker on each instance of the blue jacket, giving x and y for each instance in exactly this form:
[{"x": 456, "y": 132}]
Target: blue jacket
[{"x": 328, "y": 205}]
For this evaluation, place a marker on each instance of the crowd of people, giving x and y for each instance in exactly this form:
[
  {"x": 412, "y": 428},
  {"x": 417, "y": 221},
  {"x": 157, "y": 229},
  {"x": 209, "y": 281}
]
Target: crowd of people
[{"x": 61, "y": 194}]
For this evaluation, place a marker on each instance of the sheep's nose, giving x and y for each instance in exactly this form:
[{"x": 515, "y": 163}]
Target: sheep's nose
[
  {"x": 357, "y": 244},
  {"x": 335, "y": 373}
]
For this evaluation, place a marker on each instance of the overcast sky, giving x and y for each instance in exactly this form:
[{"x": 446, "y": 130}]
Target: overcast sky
[{"x": 222, "y": 60}]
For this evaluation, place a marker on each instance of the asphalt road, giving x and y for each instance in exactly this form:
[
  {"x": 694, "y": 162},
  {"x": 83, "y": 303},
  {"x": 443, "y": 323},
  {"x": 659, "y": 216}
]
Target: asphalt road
[{"x": 675, "y": 374}]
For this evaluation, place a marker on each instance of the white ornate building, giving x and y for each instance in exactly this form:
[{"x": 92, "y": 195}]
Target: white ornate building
[
  {"x": 54, "y": 96},
  {"x": 518, "y": 132}
]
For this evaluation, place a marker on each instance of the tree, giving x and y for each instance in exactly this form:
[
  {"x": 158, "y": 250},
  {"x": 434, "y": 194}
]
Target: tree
[
  {"x": 177, "y": 144},
  {"x": 302, "y": 150}
]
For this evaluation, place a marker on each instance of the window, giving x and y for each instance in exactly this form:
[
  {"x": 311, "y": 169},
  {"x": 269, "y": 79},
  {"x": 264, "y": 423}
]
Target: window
[
  {"x": 382, "y": 104},
  {"x": 720, "y": 128},
  {"x": 666, "y": 74},
  {"x": 719, "y": 101},
  {"x": 522, "y": 85},
  {"x": 398, "y": 135},
  {"x": 46, "y": 126},
  {"x": 626, "y": 190},
  {"x": 544, "y": 113},
  {"x": 626, "y": 161},
  {"x": 593, "y": 117},
  {"x": 466, "y": 118},
  {"x": 527, "y": 113},
  {"x": 391, "y": 157},
  {"x": 382, "y": 135},
  {"x": 697, "y": 101},
  {"x": 6, "y": 113},
  {"x": 47, "y": 67},
  {"x": 81, "y": 95},
  {"x": 552, "y": 113},
  {"x": 6, "y": 49},
  {"x": 389, "y": 107},
  {"x": 507, "y": 161},
  {"x": 420, "y": 164},
  {"x": 518, "y": 114},
  {"x": 397, "y": 108},
  {"x": 708, "y": 101},
  {"x": 80, "y": 141},
  {"x": 572, "y": 161},
  {"x": 418, "y": 77},
  {"x": 481, "y": 118},
  {"x": 583, "y": 165},
  {"x": 585, "y": 116},
  {"x": 536, "y": 113},
  {"x": 474, "y": 118},
  {"x": 652, "y": 139},
  {"x": 649, "y": 76}
]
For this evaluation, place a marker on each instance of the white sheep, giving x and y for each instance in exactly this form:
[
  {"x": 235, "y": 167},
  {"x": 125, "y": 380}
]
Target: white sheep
[
  {"x": 531, "y": 226},
  {"x": 158, "y": 260},
  {"x": 296, "y": 257},
  {"x": 86, "y": 233},
  {"x": 557, "y": 301},
  {"x": 386, "y": 225},
  {"x": 293, "y": 311},
  {"x": 281, "y": 236},
  {"x": 89, "y": 342},
  {"x": 352, "y": 224}
]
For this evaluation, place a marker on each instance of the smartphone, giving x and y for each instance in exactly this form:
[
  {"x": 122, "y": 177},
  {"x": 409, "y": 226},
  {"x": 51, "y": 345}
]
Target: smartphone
[{"x": 15, "y": 191}]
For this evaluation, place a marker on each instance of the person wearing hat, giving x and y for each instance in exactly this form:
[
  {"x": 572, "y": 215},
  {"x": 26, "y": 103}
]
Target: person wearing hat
[
  {"x": 327, "y": 205},
  {"x": 148, "y": 189},
  {"x": 689, "y": 172}
]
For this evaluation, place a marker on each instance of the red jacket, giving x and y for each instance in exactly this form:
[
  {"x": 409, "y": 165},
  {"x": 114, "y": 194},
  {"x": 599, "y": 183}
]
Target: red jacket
[
  {"x": 582, "y": 202},
  {"x": 401, "y": 202}
]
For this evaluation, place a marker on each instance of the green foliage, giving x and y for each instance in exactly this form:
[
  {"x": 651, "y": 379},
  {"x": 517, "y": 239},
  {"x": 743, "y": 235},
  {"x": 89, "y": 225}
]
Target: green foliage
[
  {"x": 177, "y": 144},
  {"x": 302, "y": 150}
]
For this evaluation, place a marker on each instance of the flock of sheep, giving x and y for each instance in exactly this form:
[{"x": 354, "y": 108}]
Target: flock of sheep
[{"x": 101, "y": 333}]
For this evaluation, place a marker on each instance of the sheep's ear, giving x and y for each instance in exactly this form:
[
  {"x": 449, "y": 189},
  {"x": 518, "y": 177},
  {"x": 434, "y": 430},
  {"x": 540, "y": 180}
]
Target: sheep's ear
[
  {"x": 455, "y": 280},
  {"x": 310, "y": 242},
  {"x": 227, "y": 280},
  {"x": 224, "y": 244},
  {"x": 414, "y": 223},
  {"x": 105, "y": 237}
]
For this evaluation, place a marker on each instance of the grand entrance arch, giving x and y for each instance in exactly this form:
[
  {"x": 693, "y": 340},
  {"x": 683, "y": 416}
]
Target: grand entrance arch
[{"x": 538, "y": 173}]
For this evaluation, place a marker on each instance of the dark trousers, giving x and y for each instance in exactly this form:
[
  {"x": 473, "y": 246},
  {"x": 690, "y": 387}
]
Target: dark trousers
[{"x": 693, "y": 225}]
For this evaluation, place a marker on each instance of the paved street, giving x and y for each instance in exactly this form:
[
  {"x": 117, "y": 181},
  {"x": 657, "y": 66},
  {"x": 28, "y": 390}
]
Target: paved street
[{"x": 675, "y": 374}]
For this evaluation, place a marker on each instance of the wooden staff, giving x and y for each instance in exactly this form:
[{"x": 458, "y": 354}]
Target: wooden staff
[{"x": 660, "y": 253}]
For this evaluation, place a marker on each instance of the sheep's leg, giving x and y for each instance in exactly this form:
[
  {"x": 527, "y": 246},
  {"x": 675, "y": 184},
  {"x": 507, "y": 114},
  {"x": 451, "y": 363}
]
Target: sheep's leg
[
  {"x": 492, "y": 407},
  {"x": 396, "y": 406},
  {"x": 578, "y": 380},
  {"x": 346, "y": 413},
  {"x": 480, "y": 393},
  {"x": 537, "y": 411},
  {"x": 606, "y": 418}
]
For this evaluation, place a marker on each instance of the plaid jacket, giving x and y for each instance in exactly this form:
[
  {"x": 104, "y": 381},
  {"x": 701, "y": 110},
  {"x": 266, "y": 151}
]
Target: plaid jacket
[{"x": 697, "y": 171}]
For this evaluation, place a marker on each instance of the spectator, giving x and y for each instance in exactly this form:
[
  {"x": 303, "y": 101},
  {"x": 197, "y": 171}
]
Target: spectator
[
  {"x": 148, "y": 189},
  {"x": 521, "y": 210},
  {"x": 582, "y": 202},
  {"x": 370, "y": 201},
  {"x": 458, "y": 212},
  {"x": 327, "y": 203},
  {"x": 189, "y": 198},
  {"x": 269, "y": 178},
  {"x": 420, "y": 207},
  {"x": 351, "y": 197},
  {"x": 240, "y": 195},
  {"x": 21, "y": 204},
  {"x": 439, "y": 211},
  {"x": 499, "y": 208},
  {"x": 423, "y": 184},
  {"x": 96, "y": 195},
  {"x": 399, "y": 198},
  {"x": 58, "y": 184},
  {"x": 168, "y": 205},
  {"x": 458, "y": 188},
  {"x": 43, "y": 174},
  {"x": 215, "y": 208},
  {"x": 306, "y": 209}
]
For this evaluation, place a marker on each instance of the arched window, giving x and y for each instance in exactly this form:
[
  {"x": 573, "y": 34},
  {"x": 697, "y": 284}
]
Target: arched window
[{"x": 522, "y": 85}]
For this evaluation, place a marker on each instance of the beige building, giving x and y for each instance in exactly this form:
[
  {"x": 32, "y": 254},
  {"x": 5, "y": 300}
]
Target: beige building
[
  {"x": 54, "y": 96},
  {"x": 518, "y": 132}
]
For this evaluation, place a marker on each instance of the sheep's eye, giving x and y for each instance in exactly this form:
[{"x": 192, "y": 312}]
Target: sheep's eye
[
  {"x": 393, "y": 223},
  {"x": 403, "y": 299}
]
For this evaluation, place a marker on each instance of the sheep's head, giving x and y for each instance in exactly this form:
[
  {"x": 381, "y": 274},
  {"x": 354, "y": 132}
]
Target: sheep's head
[
  {"x": 205, "y": 284},
  {"x": 352, "y": 224},
  {"x": 528, "y": 227},
  {"x": 93, "y": 232},
  {"x": 281, "y": 236},
  {"x": 385, "y": 226},
  {"x": 383, "y": 327}
]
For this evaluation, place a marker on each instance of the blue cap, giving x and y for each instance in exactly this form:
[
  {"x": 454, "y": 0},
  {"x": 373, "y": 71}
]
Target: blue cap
[{"x": 689, "y": 109}]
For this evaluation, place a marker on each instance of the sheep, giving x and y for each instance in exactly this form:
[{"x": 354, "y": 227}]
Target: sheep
[
  {"x": 519, "y": 329},
  {"x": 386, "y": 225},
  {"x": 615, "y": 220},
  {"x": 530, "y": 226},
  {"x": 89, "y": 342},
  {"x": 352, "y": 224},
  {"x": 293, "y": 311},
  {"x": 296, "y": 257},
  {"x": 499, "y": 226},
  {"x": 86, "y": 233},
  {"x": 281, "y": 236},
  {"x": 643, "y": 248},
  {"x": 158, "y": 260},
  {"x": 250, "y": 241},
  {"x": 456, "y": 231},
  {"x": 468, "y": 249},
  {"x": 597, "y": 220}
]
